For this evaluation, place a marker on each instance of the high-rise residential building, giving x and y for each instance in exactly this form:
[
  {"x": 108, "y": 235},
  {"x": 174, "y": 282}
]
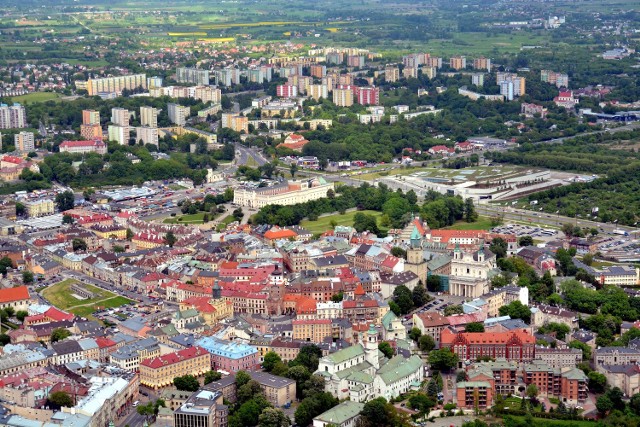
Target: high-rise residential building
[
  {"x": 148, "y": 135},
  {"x": 433, "y": 61},
  {"x": 318, "y": 91},
  {"x": 91, "y": 132},
  {"x": 154, "y": 82},
  {"x": 477, "y": 79},
  {"x": 430, "y": 72},
  {"x": 343, "y": 97},
  {"x": 287, "y": 91},
  {"x": 24, "y": 142},
  {"x": 120, "y": 116},
  {"x": 558, "y": 79},
  {"x": 482, "y": 63},
  {"x": 318, "y": 71},
  {"x": 235, "y": 122},
  {"x": 355, "y": 61},
  {"x": 507, "y": 89},
  {"x": 116, "y": 84},
  {"x": 178, "y": 114},
  {"x": 208, "y": 94},
  {"x": 410, "y": 72},
  {"x": 228, "y": 77},
  {"x": 391, "y": 74},
  {"x": 335, "y": 58},
  {"x": 345, "y": 79},
  {"x": 12, "y": 117},
  {"x": 519, "y": 84},
  {"x": 192, "y": 75},
  {"x": 90, "y": 117},
  {"x": 367, "y": 95},
  {"x": 149, "y": 116},
  {"x": 458, "y": 62},
  {"x": 119, "y": 134}
]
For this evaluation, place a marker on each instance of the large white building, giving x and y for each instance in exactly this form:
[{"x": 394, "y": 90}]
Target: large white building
[
  {"x": 470, "y": 272},
  {"x": 120, "y": 134},
  {"x": 178, "y": 114},
  {"x": 82, "y": 147},
  {"x": 120, "y": 116},
  {"x": 149, "y": 116},
  {"x": 287, "y": 193},
  {"x": 361, "y": 372},
  {"x": 148, "y": 135},
  {"x": 116, "y": 84},
  {"x": 12, "y": 117}
]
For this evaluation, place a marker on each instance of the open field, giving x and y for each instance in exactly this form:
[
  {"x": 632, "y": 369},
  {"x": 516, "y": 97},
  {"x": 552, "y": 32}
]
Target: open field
[
  {"x": 196, "y": 218},
  {"x": 62, "y": 297},
  {"x": 225, "y": 221},
  {"x": 324, "y": 223},
  {"x": 35, "y": 97},
  {"x": 483, "y": 223}
]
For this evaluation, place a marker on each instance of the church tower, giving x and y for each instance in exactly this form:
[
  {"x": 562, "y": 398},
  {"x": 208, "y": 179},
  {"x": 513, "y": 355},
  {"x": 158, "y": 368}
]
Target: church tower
[
  {"x": 415, "y": 256},
  {"x": 371, "y": 346},
  {"x": 216, "y": 291}
]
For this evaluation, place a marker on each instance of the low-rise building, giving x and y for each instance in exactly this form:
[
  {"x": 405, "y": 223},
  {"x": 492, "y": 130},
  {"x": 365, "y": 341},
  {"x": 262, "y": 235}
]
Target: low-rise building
[
  {"x": 160, "y": 371},
  {"x": 278, "y": 390},
  {"x": 346, "y": 414},
  {"x": 203, "y": 409}
]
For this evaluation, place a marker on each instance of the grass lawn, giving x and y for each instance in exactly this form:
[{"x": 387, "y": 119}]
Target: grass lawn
[
  {"x": 541, "y": 422},
  {"x": 35, "y": 97},
  {"x": 225, "y": 221},
  {"x": 61, "y": 296},
  {"x": 324, "y": 223},
  {"x": 196, "y": 218},
  {"x": 483, "y": 223}
]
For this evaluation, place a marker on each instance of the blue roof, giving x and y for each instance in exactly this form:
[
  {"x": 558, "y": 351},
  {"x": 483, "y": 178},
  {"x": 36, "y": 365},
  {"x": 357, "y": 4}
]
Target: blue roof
[{"x": 228, "y": 349}]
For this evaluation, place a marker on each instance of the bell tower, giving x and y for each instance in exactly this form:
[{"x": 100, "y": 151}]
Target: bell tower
[
  {"x": 371, "y": 346},
  {"x": 415, "y": 256}
]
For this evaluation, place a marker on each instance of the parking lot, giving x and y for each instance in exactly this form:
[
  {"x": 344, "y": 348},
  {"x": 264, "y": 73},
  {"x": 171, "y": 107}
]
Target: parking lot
[{"x": 527, "y": 230}]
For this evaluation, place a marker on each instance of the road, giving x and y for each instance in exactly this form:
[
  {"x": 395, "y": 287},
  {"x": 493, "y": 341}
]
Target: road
[
  {"x": 521, "y": 215},
  {"x": 630, "y": 126}
]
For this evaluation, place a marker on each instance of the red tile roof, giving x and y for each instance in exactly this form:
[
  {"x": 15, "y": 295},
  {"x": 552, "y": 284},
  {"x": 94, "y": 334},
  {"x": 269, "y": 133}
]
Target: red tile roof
[
  {"x": 171, "y": 358},
  {"x": 448, "y": 337},
  {"x": 19, "y": 293},
  {"x": 283, "y": 233},
  {"x": 105, "y": 342}
]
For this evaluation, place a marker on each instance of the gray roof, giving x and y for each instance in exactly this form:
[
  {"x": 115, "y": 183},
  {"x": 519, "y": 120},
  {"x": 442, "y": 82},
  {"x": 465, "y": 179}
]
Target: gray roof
[{"x": 270, "y": 380}]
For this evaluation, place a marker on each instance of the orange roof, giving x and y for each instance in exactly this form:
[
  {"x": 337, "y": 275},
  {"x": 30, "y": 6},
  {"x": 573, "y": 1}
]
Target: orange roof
[
  {"x": 14, "y": 294},
  {"x": 282, "y": 233},
  {"x": 359, "y": 290},
  {"x": 171, "y": 358}
]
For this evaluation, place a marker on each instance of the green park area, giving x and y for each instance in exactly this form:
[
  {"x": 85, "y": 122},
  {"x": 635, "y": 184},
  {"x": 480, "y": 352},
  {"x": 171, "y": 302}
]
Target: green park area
[
  {"x": 325, "y": 223},
  {"x": 35, "y": 97},
  {"x": 482, "y": 223},
  {"x": 196, "y": 218},
  {"x": 62, "y": 296},
  {"x": 225, "y": 221}
]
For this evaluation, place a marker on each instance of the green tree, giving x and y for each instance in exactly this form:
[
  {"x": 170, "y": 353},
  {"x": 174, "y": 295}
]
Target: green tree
[
  {"x": 273, "y": 417},
  {"x": 470, "y": 214},
  {"x": 586, "y": 350},
  {"x": 59, "y": 399},
  {"x": 337, "y": 297},
  {"x": 270, "y": 360},
  {"x": 59, "y": 334},
  {"x": 532, "y": 391},
  {"x": 422, "y": 403},
  {"x": 420, "y": 295},
  {"x": 78, "y": 245},
  {"x": 499, "y": 247},
  {"x": 433, "y": 283},
  {"x": 474, "y": 327},
  {"x": 21, "y": 314},
  {"x": 67, "y": 219},
  {"x": 461, "y": 376},
  {"x": 604, "y": 404},
  {"x": 300, "y": 374},
  {"x": 634, "y": 404},
  {"x": 597, "y": 382},
  {"x": 248, "y": 391},
  {"x": 242, "y": 378},
  {"x": 525, "y": 241},
  {"x": 4, "y": 339},
  {"x": 313, "y": 406},
  {"x": 27, "y": 277},
  {"x": 308, "y": 356},
  {"x": 186, "y": 383},
  {"x": 426, "y": 343},
  {"x": 560, "y": 329},
  {"x": 212, "y": 376},
  {"x": 64, "y": 201},
  {"x": 398, "y": 252},
  {"x": 587, "y": 259},
  {"x": 293, "y": 169},
  {"x": 386, "y": 349},
  {"x": 415, "y": 333},
  {"x": 170, "y": 239},
  {"x": 516, "y": 310},
  {"x": 5, "y": 263},
  {"x": 443, "y": 359},
  {"x": 453, "y": 309},
  {"x": 404, "y": 298}
]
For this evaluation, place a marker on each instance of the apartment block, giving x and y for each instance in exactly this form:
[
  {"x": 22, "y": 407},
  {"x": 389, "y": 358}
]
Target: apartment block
[
  {"x": 391, "y": 74},
  {"x": 91, "y": 132},
  {"x": 430, "y": 72},
  {"x": 431, "y": 323},
  {"x": 286, "y": 91},
  {"x": 208, "y": 94},
  {"x": 24, "y": 142},
  {"x": 343, "y": 97},
  {"x": 154, "y": 82},
  {"x": 178, "y": 114},
  {"x": 558, "y": 79},
  {"x": 38, "y": 208},
  {"x": 235, "y": 122},
  {"x": 160, "y": 371},
  {"x": 410, "y": 72},
  {"x": 482, "y": 63},
  {"x": 120, "y": 116},
  {"x": 355, "y": 61},
  {"x": 318, "y": 71},
  {"x": 511, "y": 85},
  {"x": 148, "y": 135},
  {"x": 318, "y": 91},
  {"x": 116, "y": 84},
  {"x": 12, "y": 117},
  {"x": 90, "y": 117},
  {"x": 477, "y": 79},
  {"x": 569, "y": 384},
  {"x": 458, "y": 62},
  {"x": 367, "y": 95},
  {"x": 474, "y": 394},
  {"x": 192, "y": 75},
  {"x": 120, "y": 134},
  {"x": 616, "y": 356},
  {"x": 312, "y": 330},
  {"x": 335, "y": 58},
  {"x": 433, "y": 61},
  {"x": 149, "y": 116}
]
